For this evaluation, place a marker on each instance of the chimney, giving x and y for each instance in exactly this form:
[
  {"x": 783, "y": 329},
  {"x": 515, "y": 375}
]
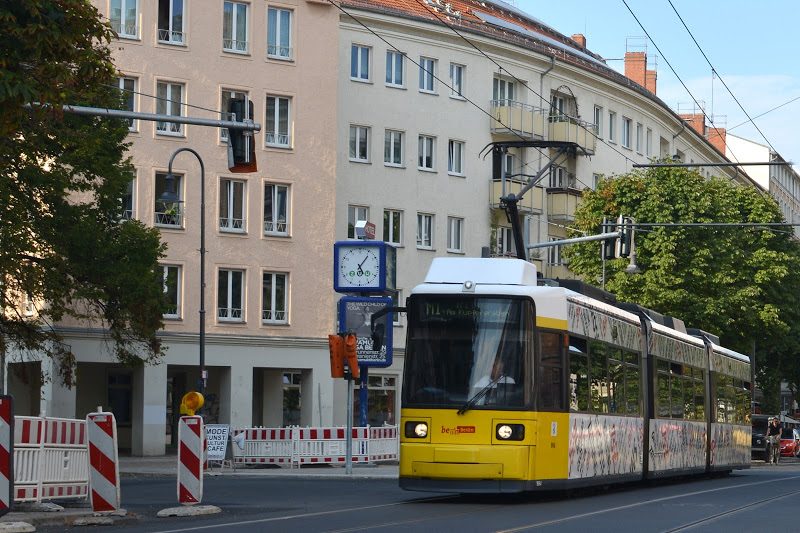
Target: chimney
[
  {"x": 716, "y": 136},
  {"x": 580, "y": 39},
  {"x": 650, "y": 80},
  {"x": 636, "y": 67},
  {"x": 697, "y": 121}
]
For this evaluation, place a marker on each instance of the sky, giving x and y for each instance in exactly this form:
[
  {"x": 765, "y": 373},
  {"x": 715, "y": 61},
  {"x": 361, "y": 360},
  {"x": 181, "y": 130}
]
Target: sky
[{"x": 750, "y": 44}]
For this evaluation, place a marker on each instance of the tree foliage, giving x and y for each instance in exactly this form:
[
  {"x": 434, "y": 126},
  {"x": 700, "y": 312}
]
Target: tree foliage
[
  {"x": 736, "y": 282},
  {"x": 62, "y": 244}
]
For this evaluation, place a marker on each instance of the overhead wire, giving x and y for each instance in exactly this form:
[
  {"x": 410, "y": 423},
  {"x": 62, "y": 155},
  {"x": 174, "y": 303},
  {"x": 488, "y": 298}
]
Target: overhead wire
[{"x": 714, "y": 71}]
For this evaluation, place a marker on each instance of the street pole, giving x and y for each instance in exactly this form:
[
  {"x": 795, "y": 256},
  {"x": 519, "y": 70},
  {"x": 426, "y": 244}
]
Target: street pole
[
  {"x": 348, "y": 464},
  {"x": 203, "y": 375}
]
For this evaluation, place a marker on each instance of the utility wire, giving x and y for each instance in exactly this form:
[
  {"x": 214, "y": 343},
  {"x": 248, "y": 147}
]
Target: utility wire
[
  {"x": 132, "y": 91},
  {"x": 679, "y": 78},
  {"x": 714, "y": 71},
  {"x": 765, "y": 112}
]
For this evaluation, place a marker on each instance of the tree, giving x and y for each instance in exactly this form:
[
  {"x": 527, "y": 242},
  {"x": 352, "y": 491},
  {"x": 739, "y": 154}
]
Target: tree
[
  {"x": 734, "y": 281},
  {"x": 62, "y": 243}
]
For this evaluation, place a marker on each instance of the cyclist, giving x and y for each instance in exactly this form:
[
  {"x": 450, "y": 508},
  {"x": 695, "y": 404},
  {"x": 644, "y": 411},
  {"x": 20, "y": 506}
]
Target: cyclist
[{"x": 773, "y": 440}]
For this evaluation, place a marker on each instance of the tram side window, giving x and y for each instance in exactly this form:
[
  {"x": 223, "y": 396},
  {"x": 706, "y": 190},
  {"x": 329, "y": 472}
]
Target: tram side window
[
  {"x": 681, "y": 391},
  {"x": 598, "y": 373},
  {"x": 699, "y": 394},
  {"x": 616, "y": 382},
  {"x": 663, "y": 388},
  {"x": 632, "y": 385},
  {"x": 551, "y": 367},
  {"x": 676, "y": 391},
  {"x": 578, "y": 375}
]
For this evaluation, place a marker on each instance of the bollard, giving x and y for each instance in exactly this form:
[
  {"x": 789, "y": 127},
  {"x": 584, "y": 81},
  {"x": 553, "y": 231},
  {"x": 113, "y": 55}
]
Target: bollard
[
  {"x": 104, "y": 489},
  {"x": 190, "y": 460}
]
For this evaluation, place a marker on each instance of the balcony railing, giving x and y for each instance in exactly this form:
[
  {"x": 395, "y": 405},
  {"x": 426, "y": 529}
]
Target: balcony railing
[
  {"x": 516, "y": 118},
  {"x": 281, "y": 52},
  {"x": 233, "y": 45},
  {"x": 276, "y": 228},
  {"x": 128, "y": 29},
  {"x": 565, "y": 128},
  {"x": 277, "y": 139},
  {"x": 532, "y": 201},
  {"x": 231, "y": 224},
  {"x": 169, "y": 128},
  {"x": 269, "y": 315},
  {"x": 231, "y": 314},
  {"x": 562, "y": 203},
  {"x": 172, "y": 217},
  {"x": 170, "y": 36}
]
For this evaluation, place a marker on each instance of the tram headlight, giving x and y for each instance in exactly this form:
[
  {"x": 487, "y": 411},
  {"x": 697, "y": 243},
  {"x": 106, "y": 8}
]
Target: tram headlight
[
  {"x": 416, "y": 429},
  {"x": 510, "y": 431}
]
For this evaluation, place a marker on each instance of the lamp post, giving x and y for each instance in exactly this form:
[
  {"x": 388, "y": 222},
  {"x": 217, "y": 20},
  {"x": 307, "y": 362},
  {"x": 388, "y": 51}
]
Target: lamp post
[{"x": 170, "y": 195}]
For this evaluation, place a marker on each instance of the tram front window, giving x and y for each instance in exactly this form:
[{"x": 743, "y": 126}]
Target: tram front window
[{"x": 468, "y": 350}]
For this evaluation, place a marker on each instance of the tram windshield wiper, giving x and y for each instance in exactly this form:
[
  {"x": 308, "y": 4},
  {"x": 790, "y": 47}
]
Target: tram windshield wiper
[{"x": 478, "y": 395}]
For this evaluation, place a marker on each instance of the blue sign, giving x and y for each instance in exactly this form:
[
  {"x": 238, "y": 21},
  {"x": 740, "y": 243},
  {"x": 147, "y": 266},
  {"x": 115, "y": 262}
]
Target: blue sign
[{"x": 373, "y": 335}]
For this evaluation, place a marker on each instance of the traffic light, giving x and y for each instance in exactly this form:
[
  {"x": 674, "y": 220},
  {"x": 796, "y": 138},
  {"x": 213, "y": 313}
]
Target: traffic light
[
  {"x": 350, "y": 354},
  {"x": 241, "y": 144},
  {"x": 336, "y": 346},
  {"x": 608, "y": 249},
  {"x": 626, "y": 239}
]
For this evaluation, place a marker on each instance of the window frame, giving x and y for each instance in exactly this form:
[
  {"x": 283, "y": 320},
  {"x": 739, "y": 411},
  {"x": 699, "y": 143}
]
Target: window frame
[
  {"x": 273, "y": 298},
  {"x": 275, "y": 196},
  {"x": 424, "y": 142},
  {"x": 392, "y": 218},
  {"x": 457, "y": 83},
  {"x": 357, "y": 52},
  {"x": 123, "y": 21},
  {"x": 171, "y": 32},
  {"x": 455, "y": 165},
  {"x": 354, "y": 213},
  {"x": 612, "y": 127},
  {"x": 229, "y": 297},
  {"x": 391, "y": 140},
  {"x": 427, "y": 75},
  {"x": 626, "y": 133},
  {"x": 178, "y": 269},
  {"x": 273, "y": 138},
  {"x": 278, "y": 34},
  {"x": 133, "y": 124},
  {"x": 455, "y": 235},
  {"x": 359, "y": 143},
  {"x": 165, "y": 106},
  {"x": 425, "y": 229},
  {"x": 228, "y": 186},
  {"x": 234, "y": 41},
  {"x": 224, "y": 103},
  {"x": 162, "y": 221},
  {"x": 393, "y": 58},
  {"x": 598, "y": 121}
]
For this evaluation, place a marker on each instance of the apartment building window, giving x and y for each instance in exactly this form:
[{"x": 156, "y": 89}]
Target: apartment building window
[
  {"x": 557, "y": 105},
  {"x": 234, "y": 27},
  {"x": 279, "y": 33},
  {"x": 226, "y": 97},
  {"x": 168, "y": 214},
  {"x": 502, "y": 91},
  {"x": 639, "y": 136},
  {"x": 355, "y": 213},
  {"x": 395, "y": 68},
  {"x": 626, "y": 132},
  {"x": 457, "y": 80},
  {"x": 510, "y": 166},
  {"x": 554, "y": 252},
  {"x": 598, "y": 121},
  {"x": 426, "y": 146},
  {"x": 170, "y": 21},
  {"x": 231, "y": 205},
  {"x": 276, "y": 210},
  {"x": 393, "y": 148},
  {"x": 359, "y": 144},
  {"x": 424, "y": 230},
  {"x": 612, "y": 126},
  {"x": 359, "y": 62},
  {"x": 172, "y": 290},
  {"x": 560, "y": 178},
  {"x": 278, "y": 130},
  {"x": 125, "y": 17},
  {"x": 230, "y": 295},
  {"x": 129, "y": 201},
  {"x": 504, "y": 241},
  {"x": 455, "y": 234},
  {"x": 393, "y": 226},
  {"x": 170, "y": 102},
  {"x": 427, "y": 71},
  {"x": 596, "y": 180},
  {"x": 455, "y": 157},
  {"x": 128, "y": 88},
  {"x": 274, "y": 298},
  {"x": 648, "y": 142}
]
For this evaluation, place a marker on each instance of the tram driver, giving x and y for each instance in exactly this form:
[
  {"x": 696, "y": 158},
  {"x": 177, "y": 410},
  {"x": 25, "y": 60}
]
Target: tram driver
[{"x": 496, "y": 377}]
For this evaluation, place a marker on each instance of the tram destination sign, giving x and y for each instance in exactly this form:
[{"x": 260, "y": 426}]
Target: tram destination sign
[{"x": 373, "y": 337}]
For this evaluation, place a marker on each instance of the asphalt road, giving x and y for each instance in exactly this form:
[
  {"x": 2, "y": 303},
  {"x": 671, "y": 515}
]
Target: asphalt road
[{"x": 739, "y": 502}]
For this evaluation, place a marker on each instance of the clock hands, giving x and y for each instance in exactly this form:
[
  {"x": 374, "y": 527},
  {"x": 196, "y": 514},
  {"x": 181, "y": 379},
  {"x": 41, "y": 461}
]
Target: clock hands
[{"x": 360, "y": 271}]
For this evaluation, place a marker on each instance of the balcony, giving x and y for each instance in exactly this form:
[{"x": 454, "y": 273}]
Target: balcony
[
  {"x": 515, "y": 118},
  {"x": 532, "y": 202},
  {"x": 562, "y": 203},
  {"x": 563, "y": 128}
]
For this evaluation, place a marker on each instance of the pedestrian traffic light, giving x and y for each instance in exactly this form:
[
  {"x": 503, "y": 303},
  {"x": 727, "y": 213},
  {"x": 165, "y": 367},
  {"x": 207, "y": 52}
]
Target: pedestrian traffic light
[
  {"x": 350, "y": 354},
  {"x": 241, "y": 143},
  {"x": 336, "y": 346},
  {"x": 626, "y": 239},
  {"x": 608, "y": 249}
]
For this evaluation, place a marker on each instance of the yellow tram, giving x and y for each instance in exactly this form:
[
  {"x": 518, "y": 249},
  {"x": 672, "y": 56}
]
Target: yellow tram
[{"x": 511, "y": 386}]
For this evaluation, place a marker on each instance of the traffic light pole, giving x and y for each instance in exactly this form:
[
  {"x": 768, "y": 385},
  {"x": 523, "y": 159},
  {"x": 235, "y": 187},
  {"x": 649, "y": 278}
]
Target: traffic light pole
[{"x": 588, "y": 238}]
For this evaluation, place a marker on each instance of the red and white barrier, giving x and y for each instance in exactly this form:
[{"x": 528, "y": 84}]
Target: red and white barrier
[
  {"x": 50, "y": 459},
  {"x": 327, "y": 445},
  {"x": 6, "y": 453},
  {"x": 103, "y": 462},
  {"x": 190, "y": 459}
]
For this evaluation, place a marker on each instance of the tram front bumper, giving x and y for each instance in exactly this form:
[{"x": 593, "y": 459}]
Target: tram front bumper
[{"x": 465, "y": 462}]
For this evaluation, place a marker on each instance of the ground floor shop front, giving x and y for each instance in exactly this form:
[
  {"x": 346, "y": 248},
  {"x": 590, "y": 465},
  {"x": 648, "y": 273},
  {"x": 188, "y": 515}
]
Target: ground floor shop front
[{"x": 252, "y": 381}]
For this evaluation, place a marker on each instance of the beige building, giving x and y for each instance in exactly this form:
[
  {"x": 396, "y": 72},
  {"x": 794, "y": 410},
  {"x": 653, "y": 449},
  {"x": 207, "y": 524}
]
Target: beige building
[{"x": 268, "y": 290}]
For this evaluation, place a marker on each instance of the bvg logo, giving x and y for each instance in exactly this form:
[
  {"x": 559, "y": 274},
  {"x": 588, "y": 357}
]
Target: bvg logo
[{"x": 458, "y": 430}]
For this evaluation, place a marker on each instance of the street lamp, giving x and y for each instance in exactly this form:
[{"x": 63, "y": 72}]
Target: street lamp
[{"x": 169, "y": 195}]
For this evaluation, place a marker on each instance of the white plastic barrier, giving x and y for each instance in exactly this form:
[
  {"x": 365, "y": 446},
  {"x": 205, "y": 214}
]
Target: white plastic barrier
[
  {"x": 51, "y": 459},
  {"x": 299, "y": 446}
]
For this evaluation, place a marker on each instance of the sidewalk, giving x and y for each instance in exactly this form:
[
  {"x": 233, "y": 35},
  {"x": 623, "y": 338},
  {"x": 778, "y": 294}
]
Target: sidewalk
[{"x": 167, "y": 465}]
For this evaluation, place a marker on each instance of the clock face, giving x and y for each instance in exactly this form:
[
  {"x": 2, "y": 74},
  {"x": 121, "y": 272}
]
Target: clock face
[{"x": 359, "y": 266}]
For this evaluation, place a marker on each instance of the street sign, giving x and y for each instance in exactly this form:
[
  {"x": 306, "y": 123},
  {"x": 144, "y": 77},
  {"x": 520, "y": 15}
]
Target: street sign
[
  {"x": 217, "y": 439},
  {"x": 373, "y": 337},
  {"x": 365, "y": 230}
]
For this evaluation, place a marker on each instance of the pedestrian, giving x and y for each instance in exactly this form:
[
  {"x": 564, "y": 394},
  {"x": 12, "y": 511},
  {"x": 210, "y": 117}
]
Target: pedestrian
[{"x": 773, "y": 440}]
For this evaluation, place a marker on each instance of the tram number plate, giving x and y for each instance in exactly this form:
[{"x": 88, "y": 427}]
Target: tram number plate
[{"x": 553, "y": 429}]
